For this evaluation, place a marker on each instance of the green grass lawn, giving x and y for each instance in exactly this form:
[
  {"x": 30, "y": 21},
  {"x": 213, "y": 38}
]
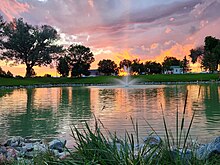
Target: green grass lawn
[{"x": 107, "y": 79}]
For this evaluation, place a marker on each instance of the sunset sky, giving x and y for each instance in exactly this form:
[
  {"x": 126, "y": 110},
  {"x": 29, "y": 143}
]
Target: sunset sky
[{"x": 118, "y": 29}]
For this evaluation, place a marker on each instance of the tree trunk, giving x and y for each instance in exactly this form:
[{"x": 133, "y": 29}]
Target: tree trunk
[{"x": 28, "y": 71}]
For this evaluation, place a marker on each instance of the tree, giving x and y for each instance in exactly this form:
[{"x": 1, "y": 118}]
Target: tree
[
  {"x": 107, "y": 67},
  {"x": 170, "y": 61},
  {"x": 136, "y": 66},
  {"x": 196, "y": 54},
  {"x": 80, "y": 58},
  {"x": 152, "y": 67},
  {"x": 29, "y": 45},
  {"x": 185, "y": 65},
  {"x": 209, "y": 54},
  {"x": 63, "y": 67},
  {"x": 125, "y": 63}
]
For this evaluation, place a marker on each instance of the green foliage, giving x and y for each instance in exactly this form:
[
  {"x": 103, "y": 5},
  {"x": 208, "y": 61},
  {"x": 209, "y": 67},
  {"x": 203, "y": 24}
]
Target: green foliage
[
  {"x": 93, "y": 147},
  {"x": 125, "y": 63},
  {"x": 209, "y": 54},
  {"x": 29, "y": 45},
  {"x": 80, "y": 58},
  {"x": 63, "y": 67},
  {"x": 107, "y": 67},
  {"x": 170, "y": 61},
  {"x": 153, "y": 67}
]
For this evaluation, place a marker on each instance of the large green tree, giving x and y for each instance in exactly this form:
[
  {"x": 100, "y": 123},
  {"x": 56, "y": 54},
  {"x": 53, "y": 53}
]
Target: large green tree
[
  {"x": 29, "y": 45},
  {"x": 63, "y": 67},
  {"x": 80, "y": 59},
  {"x": 107, "y": 67},
  {"x": 208, "y": 55}
]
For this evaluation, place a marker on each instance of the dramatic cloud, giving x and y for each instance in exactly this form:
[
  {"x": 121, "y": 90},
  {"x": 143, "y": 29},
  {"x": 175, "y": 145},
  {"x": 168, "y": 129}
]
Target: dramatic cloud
[
  {"x": 12, "y": 8},
  {"x": 117, "y": 29}
]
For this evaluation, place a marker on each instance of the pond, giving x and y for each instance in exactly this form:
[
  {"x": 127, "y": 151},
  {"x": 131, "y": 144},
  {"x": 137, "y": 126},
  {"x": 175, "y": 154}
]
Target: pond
[{"x": 51, "y": 112}]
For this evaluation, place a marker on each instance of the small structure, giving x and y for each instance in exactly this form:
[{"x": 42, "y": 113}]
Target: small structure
[{"x": 174, "y": 70}]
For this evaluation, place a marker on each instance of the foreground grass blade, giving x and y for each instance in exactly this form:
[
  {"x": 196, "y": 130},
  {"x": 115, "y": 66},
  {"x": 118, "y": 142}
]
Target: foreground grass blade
[{"x": 183, "y": 118}]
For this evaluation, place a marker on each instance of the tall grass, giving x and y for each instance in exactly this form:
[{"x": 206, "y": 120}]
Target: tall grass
[{"x": 178, "y": 152}]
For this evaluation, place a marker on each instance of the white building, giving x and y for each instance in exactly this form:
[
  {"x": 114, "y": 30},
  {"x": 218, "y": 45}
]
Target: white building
[{"x": 174, "y": 70}]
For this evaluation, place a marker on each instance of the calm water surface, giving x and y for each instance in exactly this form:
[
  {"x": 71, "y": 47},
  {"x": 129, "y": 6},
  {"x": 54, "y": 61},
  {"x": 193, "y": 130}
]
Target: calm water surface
[{"x": 50, "y": 112}]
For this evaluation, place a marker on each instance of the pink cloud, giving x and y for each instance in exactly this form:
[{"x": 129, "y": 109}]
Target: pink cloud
[{"x": 13, "y": 8}]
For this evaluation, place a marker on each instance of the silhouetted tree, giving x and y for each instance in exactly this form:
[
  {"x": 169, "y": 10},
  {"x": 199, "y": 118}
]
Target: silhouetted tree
[
  {"x": 185, "y": 65},
  {"x": 197, "y": 53},
  {"x": 29, "y": 45},
  {"x": 209, "y": 54},
  {"x": 63, "y": 67},
  {"x": 137, "y": 66},
  {"x": 170, "y": 61},
  {"x": 152, "y": 67},
  {"x": 125, "y": 63},
  {"x": 80, "y": 59},
  {"x": 79, "y": 69},
  {"x": 107, "y": 67}
]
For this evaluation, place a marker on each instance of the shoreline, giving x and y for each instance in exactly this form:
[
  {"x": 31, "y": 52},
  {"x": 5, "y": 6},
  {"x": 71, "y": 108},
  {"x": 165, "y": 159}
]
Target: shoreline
[{"x": 110, "y": 84}]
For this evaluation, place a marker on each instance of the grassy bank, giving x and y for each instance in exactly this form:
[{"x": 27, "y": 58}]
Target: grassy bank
[{"x": 107, "y": 79}]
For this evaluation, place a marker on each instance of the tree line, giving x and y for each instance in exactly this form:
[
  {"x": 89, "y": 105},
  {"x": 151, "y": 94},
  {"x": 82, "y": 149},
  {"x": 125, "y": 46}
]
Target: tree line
[{"x": 23, "y": 43}]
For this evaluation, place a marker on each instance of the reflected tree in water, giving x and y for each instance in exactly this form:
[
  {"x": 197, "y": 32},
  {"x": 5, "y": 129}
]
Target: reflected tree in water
[{"x": 36, "y": 122}]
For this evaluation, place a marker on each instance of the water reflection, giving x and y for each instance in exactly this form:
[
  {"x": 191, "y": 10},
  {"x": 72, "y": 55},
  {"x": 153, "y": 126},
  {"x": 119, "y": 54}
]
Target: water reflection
[{"x": 49, "y": 112}]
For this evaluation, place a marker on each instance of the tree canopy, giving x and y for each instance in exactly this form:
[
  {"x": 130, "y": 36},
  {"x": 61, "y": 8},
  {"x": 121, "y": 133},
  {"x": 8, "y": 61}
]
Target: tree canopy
[
  {"x": 80, "y": 59},
  {"x": 170, "y": 61},
  {"x": 185, "y": 65},
  {"x": 63, "y": 67},
  {"x": 137, "y": 66},
  {"x": 107, "y": 67},
  {"x": 152, "y": 67},
  {"x": 208, "y": 55},
  {"x": 29, "y": 45},
  {"x": 125, "y": 63}
]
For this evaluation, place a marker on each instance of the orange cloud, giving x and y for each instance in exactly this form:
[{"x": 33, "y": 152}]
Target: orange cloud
[
  {"x": 177, "y": 50},
  {"x": 114, "y": 56},
  {"x": 125, "y": 54},
  {"x": 12, "y": 8}
]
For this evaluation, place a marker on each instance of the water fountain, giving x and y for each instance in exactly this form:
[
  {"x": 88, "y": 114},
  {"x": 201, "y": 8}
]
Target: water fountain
[{"x": 126, "y": 80}]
